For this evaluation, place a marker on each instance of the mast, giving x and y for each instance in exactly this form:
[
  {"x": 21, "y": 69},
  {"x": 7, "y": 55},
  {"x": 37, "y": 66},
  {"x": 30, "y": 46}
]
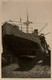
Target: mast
[
  {"x": 21, "y": 23},
  {"x": 27, "y": 22}
]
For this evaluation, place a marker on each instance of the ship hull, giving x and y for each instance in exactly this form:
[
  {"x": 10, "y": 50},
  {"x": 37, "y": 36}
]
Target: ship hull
[{"x": 21, "y": 46}]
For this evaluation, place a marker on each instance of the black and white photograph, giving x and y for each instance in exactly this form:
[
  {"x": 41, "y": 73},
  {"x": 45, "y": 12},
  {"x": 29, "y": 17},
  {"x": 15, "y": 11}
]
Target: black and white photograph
[{"x": 26, "y": 39}]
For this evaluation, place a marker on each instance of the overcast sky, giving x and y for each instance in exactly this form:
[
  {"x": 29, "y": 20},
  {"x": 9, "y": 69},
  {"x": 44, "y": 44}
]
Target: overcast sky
[{"x": 40, "y": 11}]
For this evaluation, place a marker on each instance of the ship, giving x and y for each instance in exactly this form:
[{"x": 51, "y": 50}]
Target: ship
[{"x": 26, "y": 47}]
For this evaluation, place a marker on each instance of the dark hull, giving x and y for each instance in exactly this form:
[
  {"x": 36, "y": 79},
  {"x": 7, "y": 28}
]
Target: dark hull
[{"x": 20, "y": 46}]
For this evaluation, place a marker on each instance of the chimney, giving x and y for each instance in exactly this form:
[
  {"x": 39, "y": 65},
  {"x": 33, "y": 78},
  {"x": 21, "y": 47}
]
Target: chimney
[{"x": 35, "y": 32}]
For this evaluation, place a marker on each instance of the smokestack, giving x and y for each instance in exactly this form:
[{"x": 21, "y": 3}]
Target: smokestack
[{"x": 35, "y": 32}]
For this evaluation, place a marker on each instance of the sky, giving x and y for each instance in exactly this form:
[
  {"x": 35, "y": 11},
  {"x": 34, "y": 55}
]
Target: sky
[{"x": 39, "y": 11}]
